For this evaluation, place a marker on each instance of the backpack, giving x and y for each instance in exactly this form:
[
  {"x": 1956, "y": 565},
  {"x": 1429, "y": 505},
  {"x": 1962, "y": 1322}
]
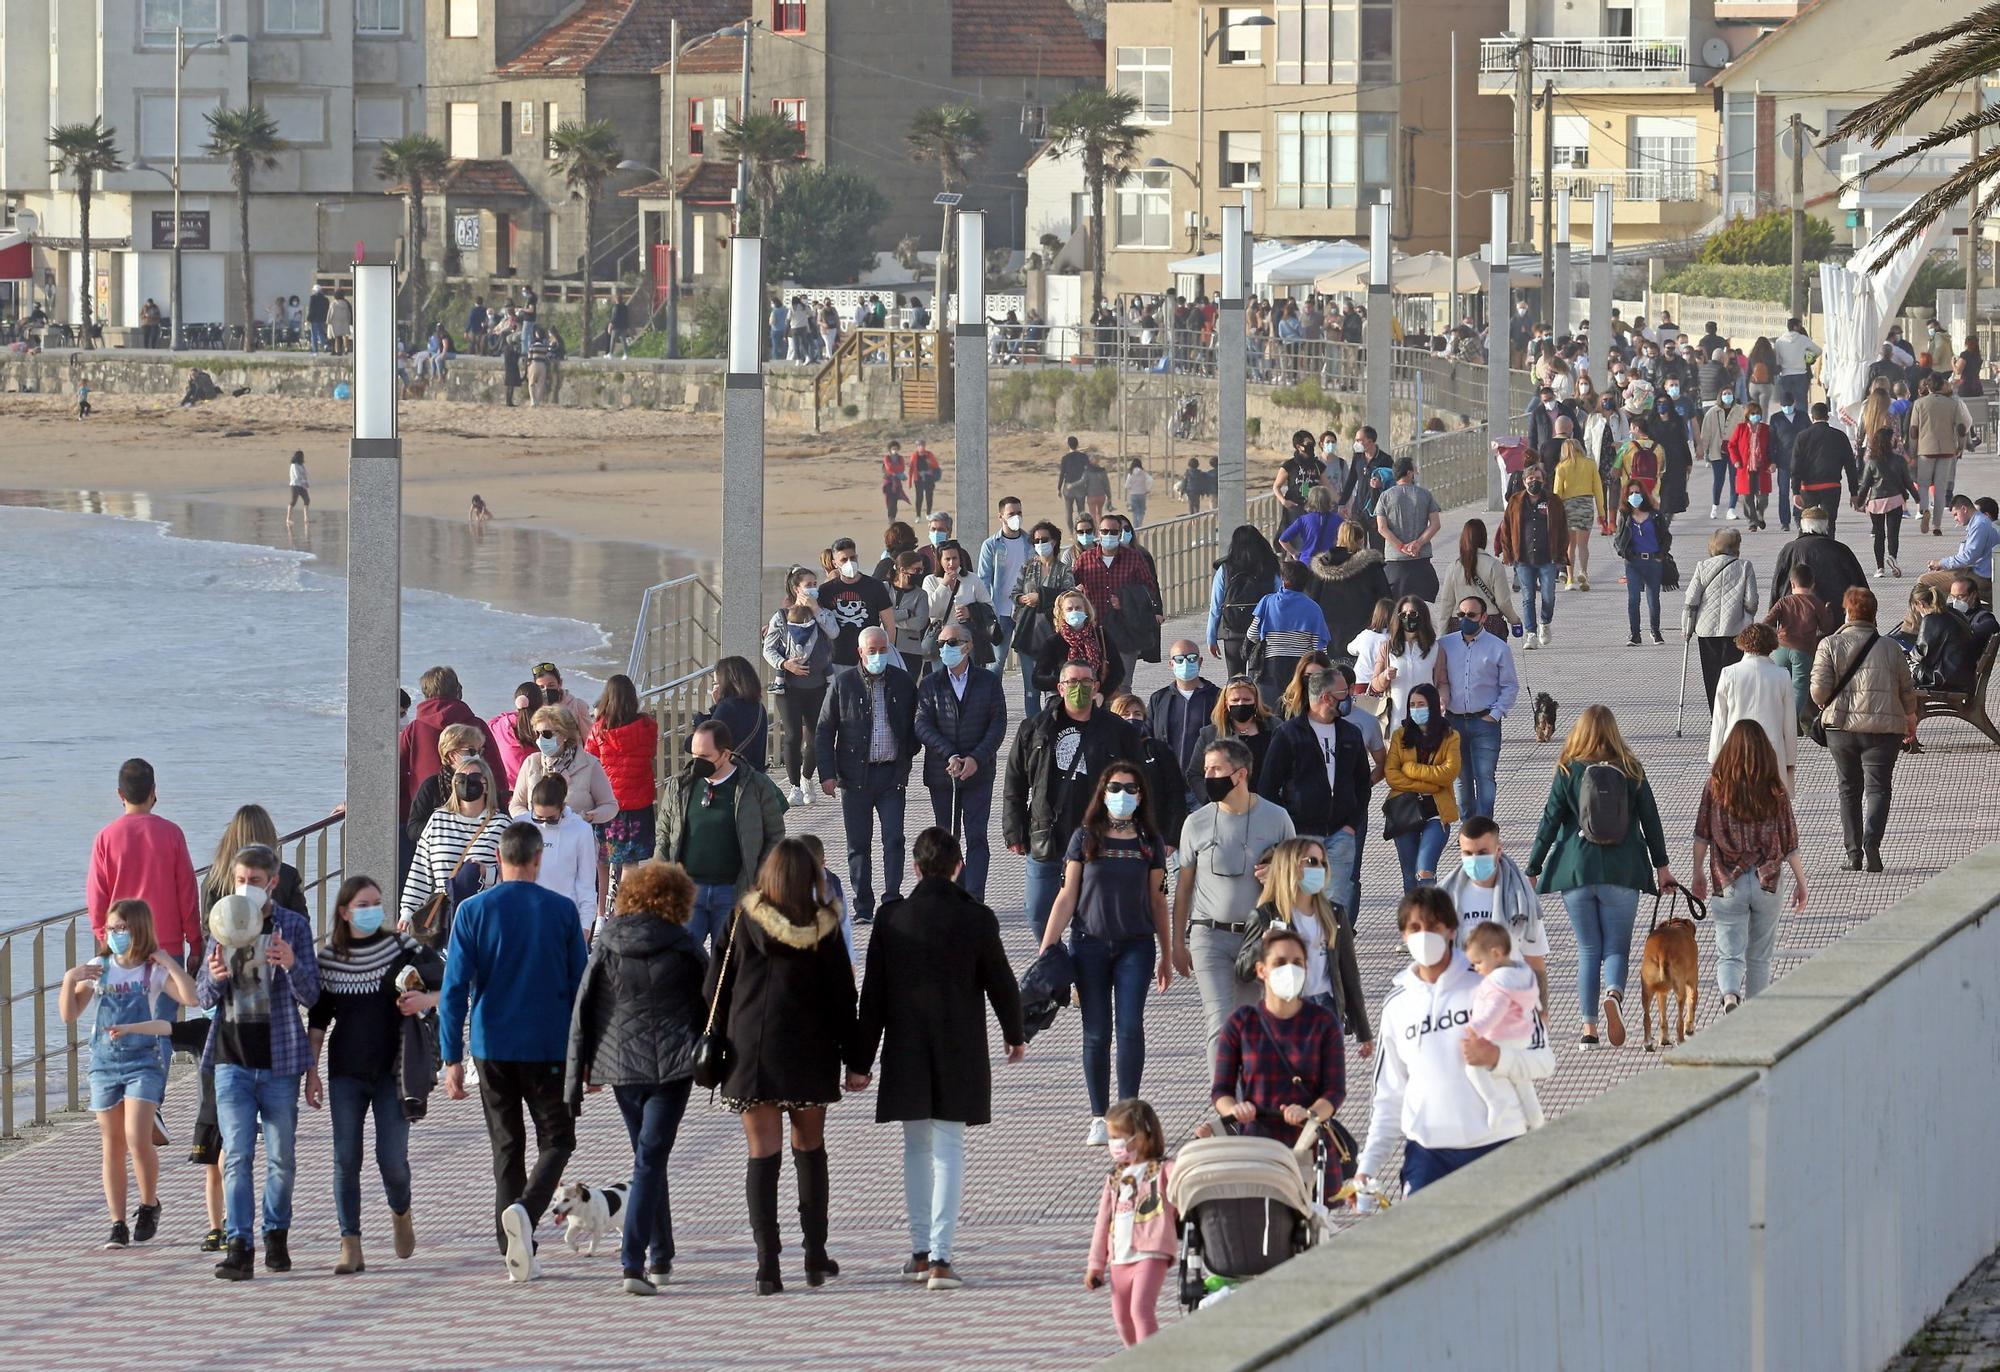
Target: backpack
[
  {"x": 1604, "y": 804},
  {"x": 1760, "y": 373},
  {"x": 1237, "y": 611}
]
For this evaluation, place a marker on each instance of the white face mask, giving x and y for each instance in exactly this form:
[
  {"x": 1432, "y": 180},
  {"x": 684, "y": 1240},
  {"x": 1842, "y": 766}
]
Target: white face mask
[
  {"x": 1964, "y": 607},
  {"x": 1013, "y": 524},
  {"x": 1427, "y": 947},
  {"x": 1287, "y": 982},
  {"x": 256, "y": 895},
  {"x": 850, "y": 568}
]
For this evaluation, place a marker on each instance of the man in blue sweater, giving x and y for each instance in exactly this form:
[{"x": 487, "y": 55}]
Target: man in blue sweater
[
  {"x": 515, "y": 961},
  {"x": 1285, "y": 626}
]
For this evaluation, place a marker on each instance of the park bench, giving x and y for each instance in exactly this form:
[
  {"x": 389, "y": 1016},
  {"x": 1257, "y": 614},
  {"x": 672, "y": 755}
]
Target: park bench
[{"x": 1969, "y": 706}]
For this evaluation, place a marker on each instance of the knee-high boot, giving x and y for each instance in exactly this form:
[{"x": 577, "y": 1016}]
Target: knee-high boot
[
  {"x": 760, "y": 1190},
  {"x": 811, "y": 1170}
]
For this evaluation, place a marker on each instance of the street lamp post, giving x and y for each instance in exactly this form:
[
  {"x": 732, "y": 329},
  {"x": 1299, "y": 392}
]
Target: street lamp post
[
  {"x": 743, "y": 452},
  {"x": 182, "y": 51},
  {"x": 374, "y": 579},
  {"x": 1377, "y": 336},
  {"x": 968, "y": 367},
  {"x": 1231, "y": 378},
  {"x": 1499, "y": 345}
]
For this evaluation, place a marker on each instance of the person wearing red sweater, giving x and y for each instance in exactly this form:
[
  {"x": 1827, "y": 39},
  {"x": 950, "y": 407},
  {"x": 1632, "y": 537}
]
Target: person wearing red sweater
[
  {"x": 625, "y": 740},
  {"x": 140, "y": 856},
  {"x": 443, "y": 705},
  {"x": 1750, "y": 454}
]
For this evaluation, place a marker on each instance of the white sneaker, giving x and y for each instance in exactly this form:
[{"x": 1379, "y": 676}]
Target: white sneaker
[
  {"x": 797, "y": 796},
  {"x": 1714, "y": 510},
  {"x": 1099, "y": 1135},
  {"x": 519, "y": 1229},
  {"x": 1881, "y": 572},
  {"x": 1546, "y": 636},
  {"x": 1529, "y": 642},
  {"x": 1731, "y": 514}
]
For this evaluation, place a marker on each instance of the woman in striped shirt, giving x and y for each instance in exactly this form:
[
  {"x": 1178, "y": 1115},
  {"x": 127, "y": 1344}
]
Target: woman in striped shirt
[{"x": 458, "y": 853}]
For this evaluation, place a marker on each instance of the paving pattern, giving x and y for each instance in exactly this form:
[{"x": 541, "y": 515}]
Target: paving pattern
[
  {"x": 1031, "y": 1185},
  {"x": 1965, "y": 1335}
]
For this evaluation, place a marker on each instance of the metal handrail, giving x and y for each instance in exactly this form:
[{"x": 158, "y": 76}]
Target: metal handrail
[{"x": 320, "y": 864}]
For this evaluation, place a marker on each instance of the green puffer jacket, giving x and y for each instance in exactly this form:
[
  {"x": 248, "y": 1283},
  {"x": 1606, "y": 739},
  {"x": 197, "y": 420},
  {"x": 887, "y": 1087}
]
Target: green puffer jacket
[{"x": 1573, "y": 860}]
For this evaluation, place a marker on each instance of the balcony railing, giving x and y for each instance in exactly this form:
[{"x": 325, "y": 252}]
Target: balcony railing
[
  {"x": 1680, "y": 185},
  {"x": 1556, "y": 57}
]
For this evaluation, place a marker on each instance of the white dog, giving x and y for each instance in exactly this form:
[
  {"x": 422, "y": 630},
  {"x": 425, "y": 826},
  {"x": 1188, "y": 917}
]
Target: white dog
[{"x": 596, "y": 1211}]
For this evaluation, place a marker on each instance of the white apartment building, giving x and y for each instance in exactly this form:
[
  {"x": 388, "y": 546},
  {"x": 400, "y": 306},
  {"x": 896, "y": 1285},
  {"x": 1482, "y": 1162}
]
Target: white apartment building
[{"x": 341, "y": 77}]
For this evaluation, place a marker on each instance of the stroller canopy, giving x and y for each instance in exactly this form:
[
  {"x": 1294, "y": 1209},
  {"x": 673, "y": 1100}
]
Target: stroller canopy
[{"x": 1238, "y": 1168}]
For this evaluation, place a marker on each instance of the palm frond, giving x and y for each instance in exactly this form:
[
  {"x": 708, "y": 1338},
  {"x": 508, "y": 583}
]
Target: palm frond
[
  {"x": 1917, "y": 217},
  {"x": 1970, "y": 50}
]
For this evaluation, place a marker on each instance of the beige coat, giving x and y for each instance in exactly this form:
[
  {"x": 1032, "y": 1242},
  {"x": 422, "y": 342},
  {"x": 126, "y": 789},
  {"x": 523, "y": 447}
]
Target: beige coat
[
  {"x": 1880, "y": 700},
  {"x": 589, "y": 788},
  {"x": 1934, "y": 423}
]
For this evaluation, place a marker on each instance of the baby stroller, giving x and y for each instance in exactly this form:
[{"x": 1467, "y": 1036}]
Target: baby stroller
[{"x": 1245, "y": 1205}]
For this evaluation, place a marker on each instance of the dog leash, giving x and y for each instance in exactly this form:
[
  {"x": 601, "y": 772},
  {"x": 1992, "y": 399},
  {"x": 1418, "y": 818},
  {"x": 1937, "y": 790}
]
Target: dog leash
[{"x": 1697, "y": 909}]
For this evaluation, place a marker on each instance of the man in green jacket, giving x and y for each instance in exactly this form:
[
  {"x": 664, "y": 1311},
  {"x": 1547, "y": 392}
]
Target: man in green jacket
[{"x": 719, "y": 820}]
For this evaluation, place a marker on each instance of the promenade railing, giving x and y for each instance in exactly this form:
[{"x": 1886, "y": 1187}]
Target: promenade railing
[{"x": 674, "y": 651}]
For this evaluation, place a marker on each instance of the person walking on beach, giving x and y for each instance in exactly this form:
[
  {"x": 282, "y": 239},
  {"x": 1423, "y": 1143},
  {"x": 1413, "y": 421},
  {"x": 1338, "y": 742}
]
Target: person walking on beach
[
  {"x": 514, "y": 964},
  {"x": 299, "y": 486},
  {"x": 140, "y": 856},
  {"x": 894, "y": 469},
  {"x": 925, "y": 473}
]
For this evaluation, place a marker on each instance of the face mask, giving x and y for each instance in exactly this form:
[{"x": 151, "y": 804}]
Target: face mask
[
  {"x": 468, "y": 785},
  {"x": 850, "y": 569},
  {"x": 1964, "y": 607},
  {"x": 1312, "y": 880},
  {"x": 1674, "y": 391},
  {"x": 1360, "y": 447},
  {"x": 1121, "y": 1150},
  {"x": 1412, "y": 623},
  {"x": 1076, "y": 695},
  {"x": 1756, "y": 419},
  {"x": 552, "y": 695},
  {"x": 1789, "y": 410},
  {"x": 366, "y": 919},
  {"x": 702, "y": 768},
  {"x": 549, "y": 746},
  {"x": 1470, "y": 626},
  {"x": 939, "y": 538},
  {"x": 1013, "y": 524},
  {"x": 1085, "y": 540},
  {"x": 1420, "y": 715},
  {"x": 1725, "y": 400},
  {"x": 1218, "y": 788},
  {"x": 1635, "y": 500},
  {"x": 1481, "y": 866},
  {"x": 876, "y": 663},
  {"x": 1287, "y": 982},
  {"x": 1327, "y": 447},
  {"x": 256, "y": 895},
  {"x": 119, "y": 941},
  {"x": 1121, "y": 804},
  {"x": 1187, "y": 671},
  {"x": 1346, "y": 705},
  {"x": 809, "y": 592},
  {"x": 1244, "y": 713},
  {"x": 1426, "y": 947},
  {"x": 951, "y": 654},
  {"x": 1045, "y": 549},
  {"x": 1076, "y": 619}
]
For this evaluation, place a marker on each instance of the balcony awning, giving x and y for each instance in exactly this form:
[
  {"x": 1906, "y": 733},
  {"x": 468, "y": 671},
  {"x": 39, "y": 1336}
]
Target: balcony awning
[{"x": 1210, "y": 263}]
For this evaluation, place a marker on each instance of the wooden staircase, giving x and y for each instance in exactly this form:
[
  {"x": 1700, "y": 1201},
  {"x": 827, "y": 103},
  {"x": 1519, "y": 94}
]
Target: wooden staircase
[{"x": 920, "y": 359}]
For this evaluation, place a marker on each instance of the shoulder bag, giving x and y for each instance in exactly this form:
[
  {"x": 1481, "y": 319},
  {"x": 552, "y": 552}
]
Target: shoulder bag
[
  {"x": 1493, "y": 621},
  {"x": 1405, "y": 812},
  {"x": 1817, "y": 728},
  {"x": 712, "y": 1054},
  {"x": 1341, "y": 1149},
  {"x": 433, "y": 922}
]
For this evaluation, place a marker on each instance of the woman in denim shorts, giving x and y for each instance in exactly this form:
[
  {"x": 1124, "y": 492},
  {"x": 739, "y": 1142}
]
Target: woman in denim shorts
[{"x": 130, "y": 982}]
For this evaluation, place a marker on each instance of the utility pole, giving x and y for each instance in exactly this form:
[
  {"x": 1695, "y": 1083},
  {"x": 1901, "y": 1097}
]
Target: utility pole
[
  {"x": 676, "y": 115},
  {"x": 743, "y": 164},
  {"x": 1548, "y": 201},
  {"x": 1452, "y": 247},
  {"x": 1524, "y": 138},
  {"x": 1972, "y": 227},
  {"x": 1798, "y": 215}
]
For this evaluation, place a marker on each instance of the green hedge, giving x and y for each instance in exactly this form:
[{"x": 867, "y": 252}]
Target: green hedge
[
  {"x": 1765, "y": 241},
  {"x": 1727, "y": 282}
]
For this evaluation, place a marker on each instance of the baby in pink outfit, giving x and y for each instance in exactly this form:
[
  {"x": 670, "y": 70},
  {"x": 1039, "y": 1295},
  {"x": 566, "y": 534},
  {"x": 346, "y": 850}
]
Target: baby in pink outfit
[{"x": 1504, "y": 1009}]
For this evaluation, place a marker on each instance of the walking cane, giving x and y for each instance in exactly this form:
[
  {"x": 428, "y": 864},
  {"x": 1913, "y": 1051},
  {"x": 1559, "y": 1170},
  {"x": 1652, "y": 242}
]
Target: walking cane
[
  {"x": 1686, "y": 644},
  {"x": 957, "y": 815}
]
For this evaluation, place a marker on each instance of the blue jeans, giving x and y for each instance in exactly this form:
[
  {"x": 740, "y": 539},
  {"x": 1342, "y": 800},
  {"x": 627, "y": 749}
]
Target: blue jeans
[
  {"x": 975, "y": 807},
  {"x": 1479, "y": 758},
  {"x": 709, "y": 924},
  {"x": 1800, "y": 666},
  {"x": 348, "y": 1100},
  {"x": 1045, "y": 882},
  {"x": 1721, "y": 479},
  {"x": 933, "y": 1182},
  {"x": 1343, "y": 864},
  {"x": 318, "y": 335},
  {"x": 1112, "y": 973},
  {"x": 652, "y": 1119},
  {"x": 1746, "y": 934},
  {"x": 246, "y": 1097},
  {"x": 1422, "y": 1166},
  {"x": 1643, "y": 576},
  {"x": 879, "y": 796},
  {"x": 1602, "y": 917},
  {"x": 1003, "y": 645},
  {"x": 1527, "y": 580},
  {"x": 1419, "y": 854},
  {"x": 1031, "y": 699},
  {"x": 779, "y": 334}
]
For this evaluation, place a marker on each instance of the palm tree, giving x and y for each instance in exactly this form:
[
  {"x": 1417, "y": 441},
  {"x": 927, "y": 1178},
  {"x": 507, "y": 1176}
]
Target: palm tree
[
  {"x": 1967, "y": 50},
  {"x": 413, "y": 162},
  {"x": 247, "y": 139},
  {"x": 1097, "y": 126},
  {"x": 82, "y": 151},
  {"x": 586, "y": 155},
  {"x": 950, "y": 138},
  {"x": 767, "y": 142}
]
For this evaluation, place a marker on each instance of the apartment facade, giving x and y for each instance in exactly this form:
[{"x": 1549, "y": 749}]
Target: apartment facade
[
  {"x": 1311, "y": 108},
  {"x": 339, "y": 76}
]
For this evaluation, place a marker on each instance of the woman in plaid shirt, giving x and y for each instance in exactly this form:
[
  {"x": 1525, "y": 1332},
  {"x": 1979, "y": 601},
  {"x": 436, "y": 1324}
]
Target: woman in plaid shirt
[{"x": 1280, "y": 1060}]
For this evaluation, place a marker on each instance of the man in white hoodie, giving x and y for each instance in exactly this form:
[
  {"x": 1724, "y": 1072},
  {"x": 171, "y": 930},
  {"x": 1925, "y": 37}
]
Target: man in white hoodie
[
  {"x": 569, "y": 849},
  {"x": 1422, "y": 1094}
]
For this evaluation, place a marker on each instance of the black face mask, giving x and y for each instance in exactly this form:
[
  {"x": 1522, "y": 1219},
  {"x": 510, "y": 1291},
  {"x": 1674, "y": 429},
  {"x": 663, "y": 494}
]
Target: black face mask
[
  {"x": 552, "y": 695},
  {"x": 1412, "y": 623},
  {"x": 1218, "y": 788},
  {"x": 1243, "y": 714},
  {"x": 469, "y": 786},
  {"x": 702, "y": 768}
]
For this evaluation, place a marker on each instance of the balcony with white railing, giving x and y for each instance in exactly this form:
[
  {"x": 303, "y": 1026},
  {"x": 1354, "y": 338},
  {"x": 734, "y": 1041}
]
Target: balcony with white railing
[
  {"x": 1674, "y": 185},
  {"x": 1585, "y": 63},
  {"x": 1896, "y": 186}
]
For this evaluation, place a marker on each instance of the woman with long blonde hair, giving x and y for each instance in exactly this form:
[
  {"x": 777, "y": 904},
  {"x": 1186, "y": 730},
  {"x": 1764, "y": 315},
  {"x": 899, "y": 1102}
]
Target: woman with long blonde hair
[
  {"x": 251, "y": 825},
  {"x": 1297, "y": 894},
  {"x": 1874, "y": 411},
  {"x": 1602, "y": 844}
]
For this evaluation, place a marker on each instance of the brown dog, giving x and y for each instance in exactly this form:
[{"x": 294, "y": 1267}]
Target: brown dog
[
  {"x": 1670, "y": 963},
  {"x": 1545, "y": 717}
]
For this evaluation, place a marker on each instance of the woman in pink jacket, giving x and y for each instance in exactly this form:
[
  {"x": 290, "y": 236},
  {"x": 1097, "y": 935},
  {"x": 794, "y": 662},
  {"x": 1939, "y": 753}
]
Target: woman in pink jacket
[{"x": 511, "y": 730}]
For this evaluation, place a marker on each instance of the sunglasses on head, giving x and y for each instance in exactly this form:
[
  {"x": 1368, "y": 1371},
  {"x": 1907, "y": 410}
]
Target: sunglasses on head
[
  {"x": 545, "y": 669},
  {"x": 1127, "y": 788}
]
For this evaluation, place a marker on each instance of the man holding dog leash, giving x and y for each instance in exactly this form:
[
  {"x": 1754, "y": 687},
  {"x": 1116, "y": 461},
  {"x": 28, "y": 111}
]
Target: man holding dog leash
[{"x": 961, "y": 720}]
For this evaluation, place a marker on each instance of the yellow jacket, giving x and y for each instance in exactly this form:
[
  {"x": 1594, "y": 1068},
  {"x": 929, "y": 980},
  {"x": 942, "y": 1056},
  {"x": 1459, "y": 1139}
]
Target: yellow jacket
[
  {"x": 1433, "y": 778},
  {"x": 1577, "y": 475}
]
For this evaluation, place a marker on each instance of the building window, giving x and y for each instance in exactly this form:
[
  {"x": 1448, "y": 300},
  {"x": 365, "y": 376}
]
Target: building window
[
  {"x": 794, "y": 111},
  {"x": 196, "y": 18},
  {"x": 552, "y": 246},
  {"x": 378, "y": 16},
  {"x": 461, "y": 20},
  {"x": 1334, "y": 42},
  {"x": 506, "y": 127},
  {"x": 696, "y": 128},
  {"x": 1326, "y": 161},
  {"x": 1145, "y": 211},
  {"x": 301, "y": 118},
  {"x": 1378, "y": 41},
  {"x": 788, "y": 16},
  {"x": 1243, "y": 159},
  {"x": 1572, "y": 142},
  {"x": 294, "y": 16},
  {"x": 156, "y": 126},
  {"x": 1663, "y": 161},
  {"x": 1079, "y": 210},
  {"x": 550, "y": 118},
  {"x": 1240, "y": 45},
  {"x": 379, "y": 118},
  {"x": 463, "y": 125},
  {"x": 1148, "y": 74}
]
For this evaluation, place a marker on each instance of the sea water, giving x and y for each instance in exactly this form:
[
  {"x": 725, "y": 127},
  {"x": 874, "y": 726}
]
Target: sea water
[{"x": 222, "y": 664}]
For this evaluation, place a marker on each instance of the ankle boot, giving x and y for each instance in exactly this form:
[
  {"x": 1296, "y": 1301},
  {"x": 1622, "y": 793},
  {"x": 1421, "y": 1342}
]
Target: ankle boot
[
  {"x": 406, "y": 1233},
  {"x": 810, "y": 1169},
  {"x": 350, "y": 1258},
  {"x": 239, "y": 1263},
  {"x": 760, "y": 1189},
  {"x": 277, "y": 1250}
]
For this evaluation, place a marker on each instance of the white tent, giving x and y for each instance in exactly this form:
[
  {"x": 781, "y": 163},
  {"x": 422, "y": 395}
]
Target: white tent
[
  {"x": 1210, "y": 264},
  {"x": 1857, "y": 299},
  {"x": 1305, "y": 263},
  {"x": 1355, "y": 278}
]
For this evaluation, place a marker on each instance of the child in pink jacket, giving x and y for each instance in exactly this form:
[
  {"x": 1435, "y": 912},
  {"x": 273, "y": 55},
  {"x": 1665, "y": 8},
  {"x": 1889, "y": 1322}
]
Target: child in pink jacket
[
  {"x": 1137, "y": 1231},
  {"x": 1503, "y": 1012}
]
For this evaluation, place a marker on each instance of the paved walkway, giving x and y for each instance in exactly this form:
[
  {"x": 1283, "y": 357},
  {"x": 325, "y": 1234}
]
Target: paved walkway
[
  {"x": 1965, "y": 1335},
  {"x": 1031, "y": 1188}
]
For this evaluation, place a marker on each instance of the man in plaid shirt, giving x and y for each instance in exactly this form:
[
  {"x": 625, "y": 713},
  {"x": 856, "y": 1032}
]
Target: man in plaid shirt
[
  {"x": 1104, "y": 571},
  {"x": 1280, "y": 1060}
]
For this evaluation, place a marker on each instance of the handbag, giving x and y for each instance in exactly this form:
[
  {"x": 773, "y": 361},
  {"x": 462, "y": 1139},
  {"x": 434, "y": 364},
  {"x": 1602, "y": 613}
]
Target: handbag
[
  {"x": 1341, "y": 1149},
  {"x": 1405, "y": 812},
  {"x": 1817, "y": 726},
  {"x": 433, "y": 922},
  {"x": 712, "y": 1054}
]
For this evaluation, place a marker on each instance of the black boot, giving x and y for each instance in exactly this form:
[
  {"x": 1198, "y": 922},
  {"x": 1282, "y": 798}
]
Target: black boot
[
  {"x": 760, "y": 1189},
  {"x": 238, "y": 1263},
  {"x": 1872, "y": 859},
  {"x": 811, "y": 1171},
  {"x": 277, "y": 1250}
]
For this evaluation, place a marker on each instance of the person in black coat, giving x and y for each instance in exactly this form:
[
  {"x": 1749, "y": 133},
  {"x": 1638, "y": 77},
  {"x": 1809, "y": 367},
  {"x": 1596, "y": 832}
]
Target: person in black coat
[
  {"x": 737, "y": 699},
  {"x": 1165, "y": 773},
  {"x": 1347, "y": 583},
  {"x": 932, "y": 960},
  {"x": 961, "y": 721},
  {"x": 786, "y": 1008},
  {"x": 1295, "y": 776},
  {"x": 638, "y": 1013},
  {"x": 1823, "y": 460},
  {"x": 869, "y": 787},
  {"x": 1834, "y": 565},
  {"x": 1178, "y": 711}
]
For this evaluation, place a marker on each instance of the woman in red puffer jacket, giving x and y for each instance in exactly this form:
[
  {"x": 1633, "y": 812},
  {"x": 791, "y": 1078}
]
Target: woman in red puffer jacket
[{"x": 626, "y": 742}]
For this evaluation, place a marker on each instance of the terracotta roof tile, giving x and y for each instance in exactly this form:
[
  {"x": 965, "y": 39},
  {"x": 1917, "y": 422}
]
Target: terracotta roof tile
[
  {"x": 711, "y": 181},
  {"x": 1007, "y": 37},
  {"x": 718, "y": 54},
  {"x": 618, "y": 37},
  {"x": 487, "y": 177}
]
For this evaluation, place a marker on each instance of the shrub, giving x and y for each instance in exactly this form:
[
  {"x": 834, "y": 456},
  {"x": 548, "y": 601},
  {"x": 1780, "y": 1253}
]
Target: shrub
[
  {"x": 850, "y": 410},
  {"x": 1772, "y": 285},
  {"x": 1766, "y": 241},
  {"x": 1308, "y": 395}
]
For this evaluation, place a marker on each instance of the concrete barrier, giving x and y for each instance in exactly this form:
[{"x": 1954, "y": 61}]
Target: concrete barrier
[{"x": 1800, "y": 1187}]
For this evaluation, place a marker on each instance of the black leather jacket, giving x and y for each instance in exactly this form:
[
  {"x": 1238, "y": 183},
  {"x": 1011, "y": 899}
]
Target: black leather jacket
[{"x": 640, "y": 1007}]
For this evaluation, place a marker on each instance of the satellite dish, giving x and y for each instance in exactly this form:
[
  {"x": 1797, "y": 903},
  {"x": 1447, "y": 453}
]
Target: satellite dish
[{"x": 1715, "y": 53}]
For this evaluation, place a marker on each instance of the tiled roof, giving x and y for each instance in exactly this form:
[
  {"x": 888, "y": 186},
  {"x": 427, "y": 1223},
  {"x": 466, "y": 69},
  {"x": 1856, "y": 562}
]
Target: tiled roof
[
  {"x": 488, "y": 177},
  {"x": 718, "y": 54},
  {"x": 710, "y": 182},
  {"x": 1021, "y": 38},
  {"x": 618, "y": 37}
]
